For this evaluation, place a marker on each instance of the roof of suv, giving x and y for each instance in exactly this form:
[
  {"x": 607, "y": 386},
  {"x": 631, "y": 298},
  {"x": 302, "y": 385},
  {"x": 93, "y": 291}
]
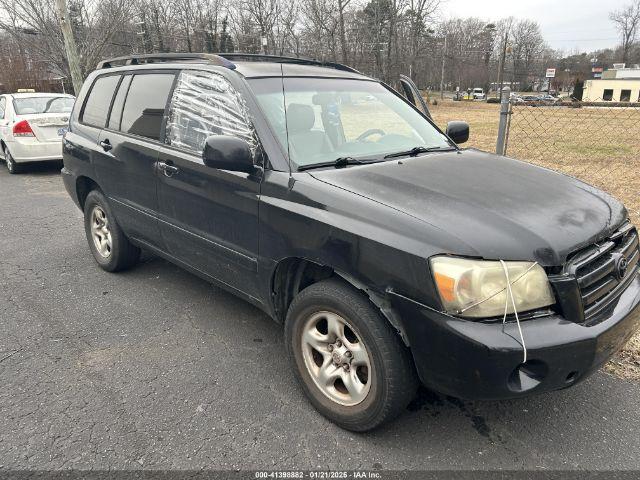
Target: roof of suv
[
  {"x": 271, "y": 69},
  {"x": 247, "y": 65}
]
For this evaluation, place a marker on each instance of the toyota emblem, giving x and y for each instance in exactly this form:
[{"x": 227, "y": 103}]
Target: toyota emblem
[{"x": 623, "y": 264}]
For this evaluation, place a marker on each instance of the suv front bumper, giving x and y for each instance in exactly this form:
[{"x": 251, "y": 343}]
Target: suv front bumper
[{"x": 483, "y": 361}]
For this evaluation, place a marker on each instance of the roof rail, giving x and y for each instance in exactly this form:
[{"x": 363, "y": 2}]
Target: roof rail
[
  {"x": 166, "y": 57},
  {"x": 258, "y": 57},
  {"x": 221, "y": 59}
]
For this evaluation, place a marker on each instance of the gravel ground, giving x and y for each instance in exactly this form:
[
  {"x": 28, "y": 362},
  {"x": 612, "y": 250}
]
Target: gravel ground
[{"x": 156, "y": 369}]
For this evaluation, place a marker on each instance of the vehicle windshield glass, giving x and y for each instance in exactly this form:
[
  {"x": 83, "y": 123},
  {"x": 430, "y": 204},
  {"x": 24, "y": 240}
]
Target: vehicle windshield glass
[
  {"x": 31, "y": 105},
  {"x": 319, "y": 120}
]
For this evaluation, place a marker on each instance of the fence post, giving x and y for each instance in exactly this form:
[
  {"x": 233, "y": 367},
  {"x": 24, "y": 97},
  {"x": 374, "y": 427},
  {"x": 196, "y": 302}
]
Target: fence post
[{"x": 504, "y": 118}]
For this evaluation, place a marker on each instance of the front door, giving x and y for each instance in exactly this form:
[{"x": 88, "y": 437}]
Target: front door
[{"x": 208, "y": 217}]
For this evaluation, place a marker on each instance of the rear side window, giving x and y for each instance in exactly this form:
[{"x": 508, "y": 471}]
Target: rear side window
[
  {"x": 3, "y": 106},
  {"x": 146, "y": 101},
  {"x": 118, "y": 103},
  {"x": 97, "y": 106}
]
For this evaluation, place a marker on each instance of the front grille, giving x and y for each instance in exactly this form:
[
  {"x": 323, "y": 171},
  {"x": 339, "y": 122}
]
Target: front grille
[{"x": 603, "y": 268}]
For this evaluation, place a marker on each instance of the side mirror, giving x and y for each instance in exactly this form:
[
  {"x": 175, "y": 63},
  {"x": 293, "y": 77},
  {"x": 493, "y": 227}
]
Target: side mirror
[
  {"x": 458, "y": 131},
  {"x": 228, "y": 153}
]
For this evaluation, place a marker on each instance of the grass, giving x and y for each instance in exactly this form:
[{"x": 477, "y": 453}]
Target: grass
[{"x": 598, "y": 145}]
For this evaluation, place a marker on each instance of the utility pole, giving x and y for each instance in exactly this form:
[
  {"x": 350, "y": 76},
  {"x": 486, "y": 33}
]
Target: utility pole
[
  {"x": 444, "y": 56},
  {"x": 503, "y": 59},
  {"x": 70, "y": 45}
]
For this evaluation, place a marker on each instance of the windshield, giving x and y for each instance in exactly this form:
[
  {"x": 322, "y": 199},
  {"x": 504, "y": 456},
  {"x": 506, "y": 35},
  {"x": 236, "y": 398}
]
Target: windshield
[
  {"x": 319, "y": 120},
  {"x": 31, "y": 105}
]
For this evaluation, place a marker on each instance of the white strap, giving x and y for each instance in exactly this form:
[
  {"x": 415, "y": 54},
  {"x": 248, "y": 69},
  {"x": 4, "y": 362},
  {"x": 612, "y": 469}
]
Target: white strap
[{"x": 515, "y": 310}]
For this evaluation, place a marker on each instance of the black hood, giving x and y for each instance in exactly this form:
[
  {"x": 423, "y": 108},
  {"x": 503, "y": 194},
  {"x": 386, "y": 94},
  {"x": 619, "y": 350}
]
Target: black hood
[{"x": 502, "y": 208}]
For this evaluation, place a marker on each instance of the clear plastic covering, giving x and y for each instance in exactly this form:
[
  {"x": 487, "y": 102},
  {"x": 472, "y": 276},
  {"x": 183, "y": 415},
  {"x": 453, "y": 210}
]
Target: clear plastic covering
[{"x": 204, "y": 104}]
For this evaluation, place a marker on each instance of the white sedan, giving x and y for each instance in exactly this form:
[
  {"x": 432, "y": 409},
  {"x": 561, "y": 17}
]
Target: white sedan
[{"x": 32, "y": 126}]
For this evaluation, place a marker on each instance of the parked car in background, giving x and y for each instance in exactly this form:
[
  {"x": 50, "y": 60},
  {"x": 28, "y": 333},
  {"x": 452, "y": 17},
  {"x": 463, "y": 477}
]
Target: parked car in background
[
  {"x": 32, "y": 126},
  {"x": 546, "y": 98},
  {"x": 478, "y": 94}
]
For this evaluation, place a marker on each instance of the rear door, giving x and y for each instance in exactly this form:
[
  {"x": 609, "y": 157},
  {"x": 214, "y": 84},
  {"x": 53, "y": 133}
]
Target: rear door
[
  {"x": 208, "y": 217},
  {"x": 129, "y": 147}
]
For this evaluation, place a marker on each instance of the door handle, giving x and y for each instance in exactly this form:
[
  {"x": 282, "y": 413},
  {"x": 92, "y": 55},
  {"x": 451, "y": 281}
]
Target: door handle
[
  {"x": 168, "y": 168},
  {"x": 106, "y": 145}
]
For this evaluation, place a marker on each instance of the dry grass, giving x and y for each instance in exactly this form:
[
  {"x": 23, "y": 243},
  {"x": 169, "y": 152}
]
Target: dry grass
[
  {"x": 482, "y": 117},
  {"x": 598, "y": 145}
]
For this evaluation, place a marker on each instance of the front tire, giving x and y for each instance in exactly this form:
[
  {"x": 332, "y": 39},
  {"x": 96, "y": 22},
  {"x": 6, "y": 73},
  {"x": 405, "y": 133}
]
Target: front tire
[
  {"x": 349, "y": 360},
  {"x": 111, "y": 249}
]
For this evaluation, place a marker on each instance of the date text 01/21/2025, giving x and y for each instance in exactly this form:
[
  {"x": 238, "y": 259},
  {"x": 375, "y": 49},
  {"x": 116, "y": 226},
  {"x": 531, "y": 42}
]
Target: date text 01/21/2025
[{"x": 320, "y": 475}]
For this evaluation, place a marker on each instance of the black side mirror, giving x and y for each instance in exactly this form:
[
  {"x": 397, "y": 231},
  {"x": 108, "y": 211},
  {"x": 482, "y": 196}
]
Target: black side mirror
[
  {"x": 458, "y": 131},
  {"x": 228, "y": 153}
]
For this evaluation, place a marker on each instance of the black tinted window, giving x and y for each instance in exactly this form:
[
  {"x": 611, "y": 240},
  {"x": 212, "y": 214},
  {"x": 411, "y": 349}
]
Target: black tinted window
[
  {"x": 145, "y": 104},
  {"x": 97, "y": 107},
  {"x": 118, "y": 103}
]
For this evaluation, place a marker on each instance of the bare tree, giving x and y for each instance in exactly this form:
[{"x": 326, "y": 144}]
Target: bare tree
[
  {"x": 627, "y": 21},
  {"x": 94, "y": 24}
]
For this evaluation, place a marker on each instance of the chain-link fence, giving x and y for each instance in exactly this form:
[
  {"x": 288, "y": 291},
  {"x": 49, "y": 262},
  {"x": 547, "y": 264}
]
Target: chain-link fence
[{"x": 598, "y": 142}]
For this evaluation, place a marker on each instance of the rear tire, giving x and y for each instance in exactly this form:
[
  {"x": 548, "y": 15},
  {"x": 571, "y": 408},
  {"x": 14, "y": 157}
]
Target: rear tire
[
  {"x": 367, "y": 357},
  {"x": 110, "y": 247},
  {"x": 12, "y": 166}
]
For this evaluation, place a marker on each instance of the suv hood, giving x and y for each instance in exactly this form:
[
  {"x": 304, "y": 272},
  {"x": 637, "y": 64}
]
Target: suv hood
[{"x": 501, "y": 208}]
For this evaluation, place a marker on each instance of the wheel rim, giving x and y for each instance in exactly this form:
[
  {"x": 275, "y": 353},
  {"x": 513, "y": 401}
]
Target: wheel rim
[
  {"x": 100, "y": 232},
  {"x": 9, "y": 160},
  {"x": 336, "y": 358}
]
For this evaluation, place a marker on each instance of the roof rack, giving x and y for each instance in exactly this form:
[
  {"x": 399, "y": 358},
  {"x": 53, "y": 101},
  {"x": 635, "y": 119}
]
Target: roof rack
[
  {"x": 258, "y": 57},
  {"x": 221, "y": 59},
  {"x": 142, "y": 59}
]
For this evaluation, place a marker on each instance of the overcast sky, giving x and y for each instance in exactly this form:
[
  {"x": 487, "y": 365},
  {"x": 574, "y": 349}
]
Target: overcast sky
[{"x": 566, "y": 24}]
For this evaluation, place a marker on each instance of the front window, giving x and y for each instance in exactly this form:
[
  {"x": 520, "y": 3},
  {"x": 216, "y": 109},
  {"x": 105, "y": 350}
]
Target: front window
[
  {"x": 205, "y": 104},
  {"x": 319, "y": 120},
  {"x": 31, "y": 105}
]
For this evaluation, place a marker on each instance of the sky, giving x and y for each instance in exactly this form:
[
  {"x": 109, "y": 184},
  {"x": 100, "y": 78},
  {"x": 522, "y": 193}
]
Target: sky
[{"x": 566, "y": 24}]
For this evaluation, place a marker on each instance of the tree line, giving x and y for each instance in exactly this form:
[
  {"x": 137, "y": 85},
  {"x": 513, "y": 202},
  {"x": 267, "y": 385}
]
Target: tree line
[{"x": 382, "y": 38}]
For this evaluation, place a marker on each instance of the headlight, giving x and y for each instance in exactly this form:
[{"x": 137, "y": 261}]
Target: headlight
[{"x": 477, "y": 288}]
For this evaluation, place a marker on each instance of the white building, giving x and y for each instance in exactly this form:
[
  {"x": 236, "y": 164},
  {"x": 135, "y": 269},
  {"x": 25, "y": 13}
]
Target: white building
[{"x": 616, "y": 85}]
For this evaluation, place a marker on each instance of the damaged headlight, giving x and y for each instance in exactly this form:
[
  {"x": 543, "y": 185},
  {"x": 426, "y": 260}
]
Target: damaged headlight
[{"x": 478, "y": 288}]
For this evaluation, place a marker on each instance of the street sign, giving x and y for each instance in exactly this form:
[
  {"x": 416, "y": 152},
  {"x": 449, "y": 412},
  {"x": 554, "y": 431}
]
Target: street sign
[{"x": 551, "y": 72}]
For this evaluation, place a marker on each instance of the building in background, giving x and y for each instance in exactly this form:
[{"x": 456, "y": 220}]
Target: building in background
[{"x": 619, "y": 84}]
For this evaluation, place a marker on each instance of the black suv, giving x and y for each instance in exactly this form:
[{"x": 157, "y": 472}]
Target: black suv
[{"x": 334, "y": 204}]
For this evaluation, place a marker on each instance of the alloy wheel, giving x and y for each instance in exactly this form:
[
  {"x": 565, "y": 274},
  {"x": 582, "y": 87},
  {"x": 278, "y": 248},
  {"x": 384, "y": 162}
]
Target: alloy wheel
[
  {"x": 100, "y": 232},
  {"x": 336, "y": 358}
]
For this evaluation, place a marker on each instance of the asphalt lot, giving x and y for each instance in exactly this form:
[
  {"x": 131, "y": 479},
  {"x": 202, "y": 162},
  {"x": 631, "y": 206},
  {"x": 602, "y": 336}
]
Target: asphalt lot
[{"x": 154, "y": 368}]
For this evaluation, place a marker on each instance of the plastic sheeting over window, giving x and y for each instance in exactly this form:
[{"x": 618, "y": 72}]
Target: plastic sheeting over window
[{"x": 204, "y": 104}]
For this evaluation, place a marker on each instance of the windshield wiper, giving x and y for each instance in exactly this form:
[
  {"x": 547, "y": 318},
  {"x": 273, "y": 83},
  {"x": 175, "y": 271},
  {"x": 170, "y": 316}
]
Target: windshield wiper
[
  {"x": 339, "y": 162},
  {"x": 418, "y": 150}
]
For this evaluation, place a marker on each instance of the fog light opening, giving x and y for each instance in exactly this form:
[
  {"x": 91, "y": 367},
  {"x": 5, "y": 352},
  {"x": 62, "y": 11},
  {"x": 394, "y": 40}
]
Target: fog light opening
[
  {"x": 527, "y": 376},
  {"x": 572, "y": 377}
]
